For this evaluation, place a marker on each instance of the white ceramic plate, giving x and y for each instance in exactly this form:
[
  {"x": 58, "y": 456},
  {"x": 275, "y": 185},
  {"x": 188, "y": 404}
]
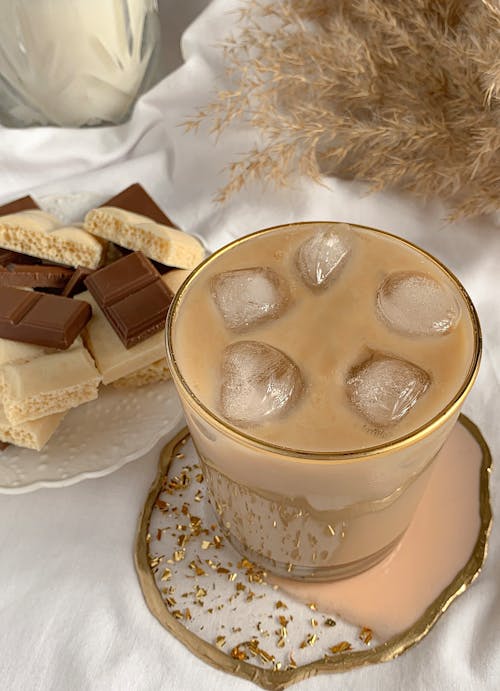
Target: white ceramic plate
[
  {"x": 99, "y": 437},
  {"x": 95, "y": 439}
]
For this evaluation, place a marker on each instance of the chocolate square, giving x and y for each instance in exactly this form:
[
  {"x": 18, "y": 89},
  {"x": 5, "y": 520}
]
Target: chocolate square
[
  {"x": 35, "y": 276},
  {"x": 132, "y": 296},
  {"x": 142, "y": 314},
  {"x": 16, "y": 303},
  {"x": 121, "y": 278},
  {"x": 136, "y": 199},
  {"x": 76, "y": 282},
  {"x": 22, "y": 204},
  {"x": 47, "y": 320}
]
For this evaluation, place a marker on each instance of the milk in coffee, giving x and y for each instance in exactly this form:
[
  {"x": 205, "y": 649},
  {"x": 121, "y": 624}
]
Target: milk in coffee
[{"x": 319, "y": 361}]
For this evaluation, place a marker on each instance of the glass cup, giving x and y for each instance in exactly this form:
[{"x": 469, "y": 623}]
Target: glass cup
[
  {"x": 76, "y": 63},
  {"x": 313, "y": 516}
]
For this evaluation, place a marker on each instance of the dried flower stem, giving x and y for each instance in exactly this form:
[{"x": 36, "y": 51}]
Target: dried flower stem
[{"x": 395, "y": 94}]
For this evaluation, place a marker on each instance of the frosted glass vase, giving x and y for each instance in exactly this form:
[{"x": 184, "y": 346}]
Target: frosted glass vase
[{"x": 75, "y": 62}]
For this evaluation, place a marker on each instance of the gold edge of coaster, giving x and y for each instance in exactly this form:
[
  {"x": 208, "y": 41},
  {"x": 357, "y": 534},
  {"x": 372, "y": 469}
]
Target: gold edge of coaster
[{"x": 275, "y": 680}]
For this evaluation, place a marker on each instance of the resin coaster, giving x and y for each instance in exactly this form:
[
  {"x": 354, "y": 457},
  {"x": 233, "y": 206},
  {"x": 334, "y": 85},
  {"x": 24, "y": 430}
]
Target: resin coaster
[{"x": 275, "y": 632}]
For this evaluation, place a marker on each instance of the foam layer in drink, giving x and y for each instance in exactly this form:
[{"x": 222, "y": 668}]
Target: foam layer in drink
[{"x": 331, "y": 333}]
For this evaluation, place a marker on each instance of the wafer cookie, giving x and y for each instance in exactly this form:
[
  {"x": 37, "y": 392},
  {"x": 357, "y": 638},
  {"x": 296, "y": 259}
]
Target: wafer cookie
[
  {"x": 51, "y": 383},
  {"x": 42, "y": 235},
  {"x": 31, "y": 435},
  {"x": 159, "y": 242}
]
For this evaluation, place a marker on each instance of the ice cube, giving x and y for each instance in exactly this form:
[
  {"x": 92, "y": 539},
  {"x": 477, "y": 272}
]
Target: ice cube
[
  {"x": 322, "y": 256},
  {"x": 385, "y": 388},
  {"x": 258, "y": 382},
  {"x": 248, "y": 296},
  {"x": 415, "y": 303}
]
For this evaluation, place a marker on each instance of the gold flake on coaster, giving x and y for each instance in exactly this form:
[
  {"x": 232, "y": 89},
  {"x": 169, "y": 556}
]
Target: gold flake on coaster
[{"x": 230, "y": 613}]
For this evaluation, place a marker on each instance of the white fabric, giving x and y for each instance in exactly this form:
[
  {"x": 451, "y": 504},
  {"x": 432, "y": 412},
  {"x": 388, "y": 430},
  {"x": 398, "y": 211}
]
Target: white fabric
[{"x": 71, "y": 611}]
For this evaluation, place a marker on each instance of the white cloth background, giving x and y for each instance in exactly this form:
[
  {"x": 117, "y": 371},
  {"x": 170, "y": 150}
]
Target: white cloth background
[{"x": 71, "y": 611}]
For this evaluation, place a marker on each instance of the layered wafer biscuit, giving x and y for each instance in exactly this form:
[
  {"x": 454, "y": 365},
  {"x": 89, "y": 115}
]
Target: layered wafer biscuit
[
  {"x": 112, "y": 358},
  {"x": 51, "y": 383},
  {"x": 31, "y": 435},
  {"x": 151, "y": 374},
  {"x": 42, "y": 235},
  {"x": 136, "y": 232}
]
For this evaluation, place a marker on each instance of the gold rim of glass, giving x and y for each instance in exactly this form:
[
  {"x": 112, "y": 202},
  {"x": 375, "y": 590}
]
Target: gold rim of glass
[{"x": 299, "y": 455}]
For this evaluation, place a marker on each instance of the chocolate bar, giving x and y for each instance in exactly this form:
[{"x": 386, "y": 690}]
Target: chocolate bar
[
  {"x": 136, "y": 199},
  {"x": 113, "y": 360},
  {"x": 47, "y": 320},
  {"x": 76, "y": 282},
  {"x": 133, "y": 297},
  {"x": 35, "y": 276},
  {"x": 10, "y": 257},
  {"x": 22, "y": 204}
]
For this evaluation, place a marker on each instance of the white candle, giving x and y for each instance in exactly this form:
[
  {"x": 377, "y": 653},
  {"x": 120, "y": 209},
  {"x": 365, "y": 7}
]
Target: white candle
[{"x": 74, "y": 62}]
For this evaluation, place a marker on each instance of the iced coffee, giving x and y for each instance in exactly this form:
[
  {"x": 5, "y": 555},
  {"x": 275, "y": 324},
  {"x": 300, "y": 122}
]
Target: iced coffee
[{"x": 321, "y": 367}]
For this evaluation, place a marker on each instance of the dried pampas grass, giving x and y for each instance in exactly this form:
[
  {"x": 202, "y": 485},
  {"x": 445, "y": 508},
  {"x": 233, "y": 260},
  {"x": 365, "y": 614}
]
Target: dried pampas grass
[{"x": 403, "y": 94}]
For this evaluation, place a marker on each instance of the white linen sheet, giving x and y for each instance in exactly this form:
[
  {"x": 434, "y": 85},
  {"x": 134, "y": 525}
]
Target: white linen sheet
[{"x": 72, "y": 615}]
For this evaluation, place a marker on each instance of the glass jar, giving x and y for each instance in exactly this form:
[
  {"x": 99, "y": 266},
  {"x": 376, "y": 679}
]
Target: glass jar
[{"x": 76, "y": 63}]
